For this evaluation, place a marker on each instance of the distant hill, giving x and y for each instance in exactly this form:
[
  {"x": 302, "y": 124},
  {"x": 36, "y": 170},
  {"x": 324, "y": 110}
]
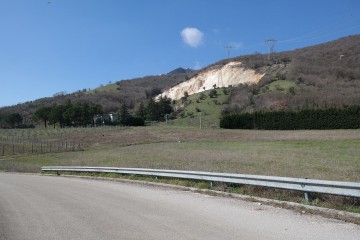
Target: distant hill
[
  {"x": 111, "y": 96},
  {"x": 319, "y": 76},
  {"x": 180, "y": 70}
]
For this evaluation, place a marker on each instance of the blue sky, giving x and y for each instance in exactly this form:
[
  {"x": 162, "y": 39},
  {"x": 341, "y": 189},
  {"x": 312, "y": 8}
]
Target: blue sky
[{"x": 49, "y": 46}]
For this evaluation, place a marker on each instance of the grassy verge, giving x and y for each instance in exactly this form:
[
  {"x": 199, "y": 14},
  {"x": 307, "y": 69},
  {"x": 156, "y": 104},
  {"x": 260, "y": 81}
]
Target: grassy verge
[{"x": 316, "y": 159}]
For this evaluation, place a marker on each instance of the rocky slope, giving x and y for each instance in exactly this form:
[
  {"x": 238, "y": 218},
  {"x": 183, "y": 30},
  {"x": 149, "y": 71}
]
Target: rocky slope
[{"x": 232, "y": 73}]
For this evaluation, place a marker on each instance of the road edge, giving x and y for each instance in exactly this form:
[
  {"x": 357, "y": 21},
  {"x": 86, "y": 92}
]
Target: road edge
[{"x": 296, "y": 207}]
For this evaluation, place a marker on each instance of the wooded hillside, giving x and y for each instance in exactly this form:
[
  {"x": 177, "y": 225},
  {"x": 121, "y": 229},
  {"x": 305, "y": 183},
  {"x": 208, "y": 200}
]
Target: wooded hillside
[
  {"x": 110, "y": 97},
  {"x": 321, "y": 76}
]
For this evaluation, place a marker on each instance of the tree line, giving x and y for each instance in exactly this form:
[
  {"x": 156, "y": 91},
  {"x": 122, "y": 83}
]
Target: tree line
[
  {"x": 69, "y": 114},
  {"x": 90, "y": 114},
  {"x": 11, "y": 120},
  {"x": 156, "y": 111},
  {"x": 330, "y": 118}
]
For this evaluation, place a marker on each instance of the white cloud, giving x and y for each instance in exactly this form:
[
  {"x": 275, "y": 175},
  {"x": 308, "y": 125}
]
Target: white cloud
[{"x": 192, "y": 36}]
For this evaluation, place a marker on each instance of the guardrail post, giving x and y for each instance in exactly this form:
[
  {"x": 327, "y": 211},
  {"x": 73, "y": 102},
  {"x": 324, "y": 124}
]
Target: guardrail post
[
  {"x": 211, "y": 184},
  {"x": 307, "y": 196}
]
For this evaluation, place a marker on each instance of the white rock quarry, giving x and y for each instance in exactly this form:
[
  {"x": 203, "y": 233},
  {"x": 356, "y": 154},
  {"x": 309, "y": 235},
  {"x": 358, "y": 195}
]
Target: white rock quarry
[{"x": 232, "y": 73}]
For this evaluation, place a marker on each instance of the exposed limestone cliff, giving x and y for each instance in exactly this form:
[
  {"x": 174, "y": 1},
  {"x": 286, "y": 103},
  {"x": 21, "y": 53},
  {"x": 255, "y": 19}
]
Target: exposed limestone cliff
[{"x": 232, "y": 73}]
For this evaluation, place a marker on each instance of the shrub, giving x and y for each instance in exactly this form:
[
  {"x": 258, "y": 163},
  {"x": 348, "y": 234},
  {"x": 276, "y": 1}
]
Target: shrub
[{"x": 213, "y": 93}]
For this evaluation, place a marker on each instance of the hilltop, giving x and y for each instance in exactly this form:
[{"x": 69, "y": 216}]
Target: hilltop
[{"x": 180, "y": 70}]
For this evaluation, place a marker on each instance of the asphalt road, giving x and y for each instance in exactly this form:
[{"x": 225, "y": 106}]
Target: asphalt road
[{"x": 46, "y": 207}]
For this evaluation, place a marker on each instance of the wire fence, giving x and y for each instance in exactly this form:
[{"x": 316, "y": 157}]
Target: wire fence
[
  {"x": 41, "y": 140},
  {"x": 21, "y": 146}
]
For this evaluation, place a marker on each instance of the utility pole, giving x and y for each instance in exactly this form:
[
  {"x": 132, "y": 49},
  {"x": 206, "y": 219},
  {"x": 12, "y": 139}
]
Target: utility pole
[
  {"x": 200, "y": 121},
  {"x": 228, "y": 48},
  {"x": 166, "y": 118},
  {"x": 271, "y": 44}
]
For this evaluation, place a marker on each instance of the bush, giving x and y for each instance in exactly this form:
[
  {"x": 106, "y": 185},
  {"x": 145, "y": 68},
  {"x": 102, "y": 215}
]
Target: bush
[
  {"x": 136, "y": 121},
  {"x": 213, "y": 93}
]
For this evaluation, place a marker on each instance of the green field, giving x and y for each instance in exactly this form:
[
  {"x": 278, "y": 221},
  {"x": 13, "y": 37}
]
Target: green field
[
  {"x": 208, "y": 110},
  {"x": 283, "y": 86},
  {"x": 332, "y": 155}
]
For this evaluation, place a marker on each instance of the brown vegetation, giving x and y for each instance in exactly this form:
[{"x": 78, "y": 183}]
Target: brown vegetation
[{"x": 325, "y": 75}]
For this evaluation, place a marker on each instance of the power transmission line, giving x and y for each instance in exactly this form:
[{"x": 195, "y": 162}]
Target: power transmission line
[
  {"x": 271, "y": 44},
  {"x": 343, "y": 25},
  {"x": 321, "y": 30}
]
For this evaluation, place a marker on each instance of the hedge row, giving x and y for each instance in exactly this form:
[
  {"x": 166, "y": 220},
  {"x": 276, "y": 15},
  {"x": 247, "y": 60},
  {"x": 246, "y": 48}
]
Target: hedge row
[{"x": 331, "y": 118}]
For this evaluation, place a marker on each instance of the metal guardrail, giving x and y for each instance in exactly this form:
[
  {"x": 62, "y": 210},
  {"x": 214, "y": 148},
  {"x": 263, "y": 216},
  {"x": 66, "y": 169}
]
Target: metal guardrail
[{"x": 351, "y": 189}]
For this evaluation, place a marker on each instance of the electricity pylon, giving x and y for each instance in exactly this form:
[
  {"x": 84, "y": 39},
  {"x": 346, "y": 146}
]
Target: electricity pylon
[
  {"x": 271, "y": 44},
  {"x": 228, "y": 48}
]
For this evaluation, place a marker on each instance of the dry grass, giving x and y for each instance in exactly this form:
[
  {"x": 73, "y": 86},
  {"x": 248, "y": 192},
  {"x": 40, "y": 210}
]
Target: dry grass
[{"x": 333, "y": 155}]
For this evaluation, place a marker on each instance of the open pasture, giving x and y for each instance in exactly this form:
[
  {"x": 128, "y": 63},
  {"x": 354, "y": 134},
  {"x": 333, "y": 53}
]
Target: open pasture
[{"x": 333, "y": 155}]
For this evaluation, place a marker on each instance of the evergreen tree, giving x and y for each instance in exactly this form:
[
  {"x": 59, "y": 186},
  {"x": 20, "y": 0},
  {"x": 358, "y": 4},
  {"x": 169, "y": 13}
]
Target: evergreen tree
[
  {"x": 43, "y": 114},
  {"x": 165, "y": 107},
  {"x": 141, "y": 111},
  {"x": 123, "y": 115},
  {"x": 13, "y": 119},
  {"x": 152, "y": 110},
  {"x": 56, "y": 115},
  {"x": 156, "y": 111}
]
